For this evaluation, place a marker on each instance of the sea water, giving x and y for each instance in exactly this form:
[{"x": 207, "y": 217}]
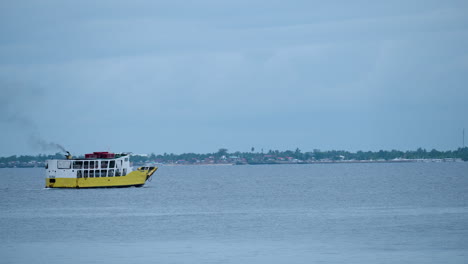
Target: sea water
[{"x": 320, "y": 213}]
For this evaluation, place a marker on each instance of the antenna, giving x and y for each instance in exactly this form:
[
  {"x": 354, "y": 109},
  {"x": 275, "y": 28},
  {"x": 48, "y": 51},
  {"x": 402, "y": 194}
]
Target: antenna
[{"x": 463, "y": 138}]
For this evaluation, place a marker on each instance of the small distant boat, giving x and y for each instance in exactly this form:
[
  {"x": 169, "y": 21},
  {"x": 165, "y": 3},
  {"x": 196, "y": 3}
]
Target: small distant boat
[{"x": 98, "y": 169}]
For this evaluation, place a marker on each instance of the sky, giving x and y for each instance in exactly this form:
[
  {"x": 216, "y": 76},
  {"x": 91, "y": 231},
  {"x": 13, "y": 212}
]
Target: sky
[{"x": 196, "y": 76}]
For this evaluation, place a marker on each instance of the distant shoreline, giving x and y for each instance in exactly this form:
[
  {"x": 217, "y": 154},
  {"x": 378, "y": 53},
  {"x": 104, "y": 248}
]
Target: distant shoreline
[
  {"x": 318, "y": 162},
  {"x": 285, "y": 163},
  {"x": 272, "y": 157}
]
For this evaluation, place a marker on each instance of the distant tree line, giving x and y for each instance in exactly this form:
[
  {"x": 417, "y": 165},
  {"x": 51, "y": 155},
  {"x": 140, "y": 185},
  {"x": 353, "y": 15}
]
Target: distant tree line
[
  {"x": 420, "y": 153},
  {"x": 252, "y": 157},
  {"x": 30, "y": 158}
]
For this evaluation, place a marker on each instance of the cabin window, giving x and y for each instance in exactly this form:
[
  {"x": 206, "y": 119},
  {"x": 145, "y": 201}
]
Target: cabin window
[
  {"x": 117, "y": 173},
  {"x": 126, "y": 159},
  {"x": 91, "y": 164},
  {"x": 96, "y": 164},
  {"x": 112, "y": 164},
  {"x": 85, "y": 173},
  {"x": 103, "y": 173},
  {"x": 86, "y": 165},
  {"x": 124, "y": 172},
  {"x": 78, "y": 165},
  {"x": 91, "y": 173},
  {"x": 111, "y": 173},
  {"x": 104, "y": 164},
  {"x": 63, "y": 164},
  {"x": 79, "y": 174}
]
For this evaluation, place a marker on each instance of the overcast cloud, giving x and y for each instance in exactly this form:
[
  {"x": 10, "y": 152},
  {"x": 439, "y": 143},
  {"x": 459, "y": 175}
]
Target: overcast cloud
[{"x": 195, "y": 76}]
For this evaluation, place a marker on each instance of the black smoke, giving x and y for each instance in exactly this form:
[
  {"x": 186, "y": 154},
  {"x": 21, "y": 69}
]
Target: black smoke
[{"x": 15, "y": 103}]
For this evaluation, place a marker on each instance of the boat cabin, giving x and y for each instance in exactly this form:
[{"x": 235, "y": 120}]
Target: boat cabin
[{"x": 98, "y": 164}]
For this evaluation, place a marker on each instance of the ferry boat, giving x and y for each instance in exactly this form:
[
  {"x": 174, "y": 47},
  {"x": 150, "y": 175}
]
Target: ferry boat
[{"x": 98, "y": 169}]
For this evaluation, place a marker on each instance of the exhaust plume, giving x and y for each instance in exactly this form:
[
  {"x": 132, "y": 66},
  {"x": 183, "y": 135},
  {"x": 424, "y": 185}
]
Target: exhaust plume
[
  {"x": 13, "y": 102},
  {"x": 44, "y": 145}
]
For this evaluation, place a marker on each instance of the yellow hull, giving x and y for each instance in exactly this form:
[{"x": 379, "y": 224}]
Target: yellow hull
[{"x": 134, "y": 178}]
